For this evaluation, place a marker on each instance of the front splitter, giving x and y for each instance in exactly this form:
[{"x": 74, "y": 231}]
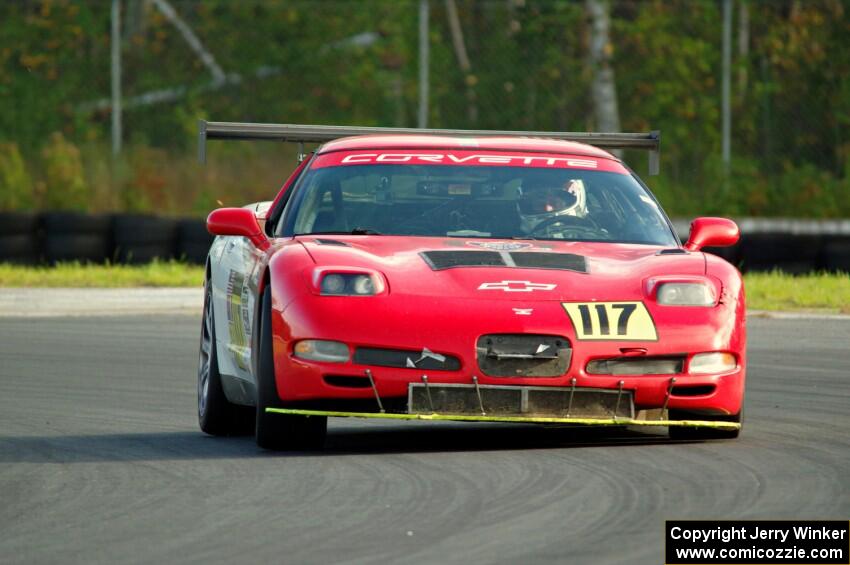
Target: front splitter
[{"x": 512, "y": 419}]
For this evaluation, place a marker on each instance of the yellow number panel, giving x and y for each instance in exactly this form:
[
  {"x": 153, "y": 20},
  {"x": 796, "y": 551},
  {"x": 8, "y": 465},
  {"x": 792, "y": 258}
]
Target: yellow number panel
[{"x": 620, "y": 321}]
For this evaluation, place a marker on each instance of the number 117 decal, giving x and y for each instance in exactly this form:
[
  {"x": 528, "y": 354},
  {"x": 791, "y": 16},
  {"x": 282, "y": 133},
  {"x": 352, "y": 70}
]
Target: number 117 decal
[{"x": 620, "y": 321}]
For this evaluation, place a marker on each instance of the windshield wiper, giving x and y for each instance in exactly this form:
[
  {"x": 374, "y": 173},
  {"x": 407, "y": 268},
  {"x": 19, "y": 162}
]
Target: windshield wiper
[{"x": 364, "y": 231}]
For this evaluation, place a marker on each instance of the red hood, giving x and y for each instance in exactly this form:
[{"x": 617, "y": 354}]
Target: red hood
[{"x": 614, "y": 271}]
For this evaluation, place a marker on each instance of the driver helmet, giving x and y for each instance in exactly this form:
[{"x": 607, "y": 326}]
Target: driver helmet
[{"x": 538, "y": 201}]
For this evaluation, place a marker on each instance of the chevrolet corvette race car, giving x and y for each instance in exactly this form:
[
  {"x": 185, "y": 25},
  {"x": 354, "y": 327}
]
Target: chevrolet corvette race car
[{"x": 460, "y": 275}]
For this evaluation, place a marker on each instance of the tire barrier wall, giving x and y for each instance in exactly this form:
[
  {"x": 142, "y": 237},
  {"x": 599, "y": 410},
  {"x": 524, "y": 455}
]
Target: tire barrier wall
[
  {"x": 52, "y": 237},
  {"x": 794, "y": 246},
  {"x": 18, "y": 237}
]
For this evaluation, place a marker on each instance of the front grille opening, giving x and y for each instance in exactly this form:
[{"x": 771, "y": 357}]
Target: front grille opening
[
  {"x": 405, "y": 359},
  {"x": 347, "y": 381},
  {"x": 523, "y": 355},
  {"x": 652, "y": 365},
  {"x": 695, "y": 390},
  {"x": 498, "y": 400}
]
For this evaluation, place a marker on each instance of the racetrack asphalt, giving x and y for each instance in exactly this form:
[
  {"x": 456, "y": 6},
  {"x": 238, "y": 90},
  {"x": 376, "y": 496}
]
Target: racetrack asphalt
[{"x": 101, "y": 461}]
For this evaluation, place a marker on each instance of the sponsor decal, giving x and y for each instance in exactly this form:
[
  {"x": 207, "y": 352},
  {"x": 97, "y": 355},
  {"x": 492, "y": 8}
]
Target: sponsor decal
[
  {"x": 516, "y": 286},
  {"x": 470, "y": 159},
  {"x": 499, "y": 245},
  {"x": 466, "y": 157},
  {"x": 611, "y": 321},
  {"x": 237, "y": 317}
]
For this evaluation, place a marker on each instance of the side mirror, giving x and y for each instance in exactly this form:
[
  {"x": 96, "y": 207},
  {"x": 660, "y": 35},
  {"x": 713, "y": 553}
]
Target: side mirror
[
  {"x": 712, "y": 232},
  {"x": 237, "y": 221}
]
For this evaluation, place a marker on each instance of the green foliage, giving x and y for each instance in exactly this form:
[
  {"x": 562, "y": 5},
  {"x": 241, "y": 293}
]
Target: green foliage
[
  {"x": 85, "y": 275},
  {"x": 64, "y": 184},
  {"x": 356, "y": 62},
  {"x": 16, "y": 188}
]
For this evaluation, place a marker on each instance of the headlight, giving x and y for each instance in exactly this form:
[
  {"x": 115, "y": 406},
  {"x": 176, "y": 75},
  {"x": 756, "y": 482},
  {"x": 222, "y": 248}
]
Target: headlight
[
  {"x": 685, "y": 294},
  {"x": 637, "y": 366},
  {"x": 348, "y": 284},
  {"x": 322, "y": 350},
  {"x": 708, "y": 363}
]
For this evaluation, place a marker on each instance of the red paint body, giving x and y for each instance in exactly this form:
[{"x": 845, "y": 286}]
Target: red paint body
[
  {"x": 446, "y": 312},
  {"x": 239, "y": 222}
]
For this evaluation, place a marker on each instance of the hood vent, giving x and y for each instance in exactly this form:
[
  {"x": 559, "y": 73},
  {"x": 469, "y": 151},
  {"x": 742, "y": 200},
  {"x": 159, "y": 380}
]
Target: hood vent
[
  {"x": 441, "y": 260},
  {"x": 331, "y": 242}
]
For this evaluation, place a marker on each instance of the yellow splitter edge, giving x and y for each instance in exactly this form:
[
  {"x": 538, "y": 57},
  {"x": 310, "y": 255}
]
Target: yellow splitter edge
[{"x": 514, "y": 419}]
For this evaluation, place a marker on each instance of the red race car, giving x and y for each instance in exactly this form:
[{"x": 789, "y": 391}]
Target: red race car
[{"x": 465, "y": 275}]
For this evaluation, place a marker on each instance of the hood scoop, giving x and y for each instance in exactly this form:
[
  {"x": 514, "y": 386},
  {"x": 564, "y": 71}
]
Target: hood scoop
[{"x": 441, "y": 260}]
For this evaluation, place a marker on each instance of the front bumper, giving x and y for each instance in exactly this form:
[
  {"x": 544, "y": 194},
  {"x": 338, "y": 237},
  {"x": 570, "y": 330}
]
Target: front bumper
[
  {"x": 452, "y": 326},
  {"x": 510, "y": 419}
]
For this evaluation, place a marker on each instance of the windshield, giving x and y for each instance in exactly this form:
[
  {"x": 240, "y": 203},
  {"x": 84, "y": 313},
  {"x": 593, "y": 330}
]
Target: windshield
[{"x": 483, "y": 200}]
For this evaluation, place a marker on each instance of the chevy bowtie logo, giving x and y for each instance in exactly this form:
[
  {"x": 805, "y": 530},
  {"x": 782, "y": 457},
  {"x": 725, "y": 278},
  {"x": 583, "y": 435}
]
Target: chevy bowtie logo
[{"x": 516, "y": 286}]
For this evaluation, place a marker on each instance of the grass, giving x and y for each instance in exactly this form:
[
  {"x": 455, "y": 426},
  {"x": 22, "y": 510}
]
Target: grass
[
  {"x": 821, "y": 292},
  {"x": 157, "y": 273}
]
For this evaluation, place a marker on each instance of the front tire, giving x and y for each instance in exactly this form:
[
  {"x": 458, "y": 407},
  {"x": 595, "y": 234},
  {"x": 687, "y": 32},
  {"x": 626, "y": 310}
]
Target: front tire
[
  {"x": 279, "y": 431},
  {"x": 214, "y": 411},
  {"x": 694, "y": 434}
]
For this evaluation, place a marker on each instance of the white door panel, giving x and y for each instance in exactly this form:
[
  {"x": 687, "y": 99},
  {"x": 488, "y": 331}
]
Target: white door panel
[{"x": 234, "y": 280}]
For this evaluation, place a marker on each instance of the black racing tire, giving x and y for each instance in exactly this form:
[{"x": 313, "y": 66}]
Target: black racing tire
[
  {"x": 75, "y": 223},
  {"x": 695, "y": 434},
  {"x": 18, "y": 223},
  {"x": 795, "y": 254},
  {"x": 279, "y": 432},
  {"x": 141, "y": 239},
  {"x": 193, "y": 241},
  {"x": 215, "y": 414},
  {"x": 82, "y": 247},
  {"x": 19, "y": 249},
  {"x": 19, "y": 241},
  {"x": 835, "y": 255},
  {"x": 73, "y": 236}
]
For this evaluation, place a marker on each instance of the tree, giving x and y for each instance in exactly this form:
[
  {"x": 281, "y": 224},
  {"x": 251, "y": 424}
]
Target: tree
[{"x": 603, "y": 86}]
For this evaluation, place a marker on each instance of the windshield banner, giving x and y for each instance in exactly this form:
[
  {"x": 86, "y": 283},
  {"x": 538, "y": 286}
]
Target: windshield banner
[{"x": 467, "y": 158}]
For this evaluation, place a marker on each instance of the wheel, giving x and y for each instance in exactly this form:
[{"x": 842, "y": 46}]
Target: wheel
[
  {"x": 279, "y": 431},
  {"x": 677, "y": 432},
  {"x": 215, "y": 413}
]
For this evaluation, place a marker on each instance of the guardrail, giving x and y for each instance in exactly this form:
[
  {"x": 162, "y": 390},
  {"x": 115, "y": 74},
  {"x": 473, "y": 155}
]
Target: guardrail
[{"x": 794, "y": 246}]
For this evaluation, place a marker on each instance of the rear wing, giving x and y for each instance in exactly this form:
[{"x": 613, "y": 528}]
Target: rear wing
[{"x": 301, "y": 134}]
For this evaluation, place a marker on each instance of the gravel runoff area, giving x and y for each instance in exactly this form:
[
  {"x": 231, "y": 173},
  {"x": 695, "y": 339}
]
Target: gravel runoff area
[{"x": 49, "y": 302}]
